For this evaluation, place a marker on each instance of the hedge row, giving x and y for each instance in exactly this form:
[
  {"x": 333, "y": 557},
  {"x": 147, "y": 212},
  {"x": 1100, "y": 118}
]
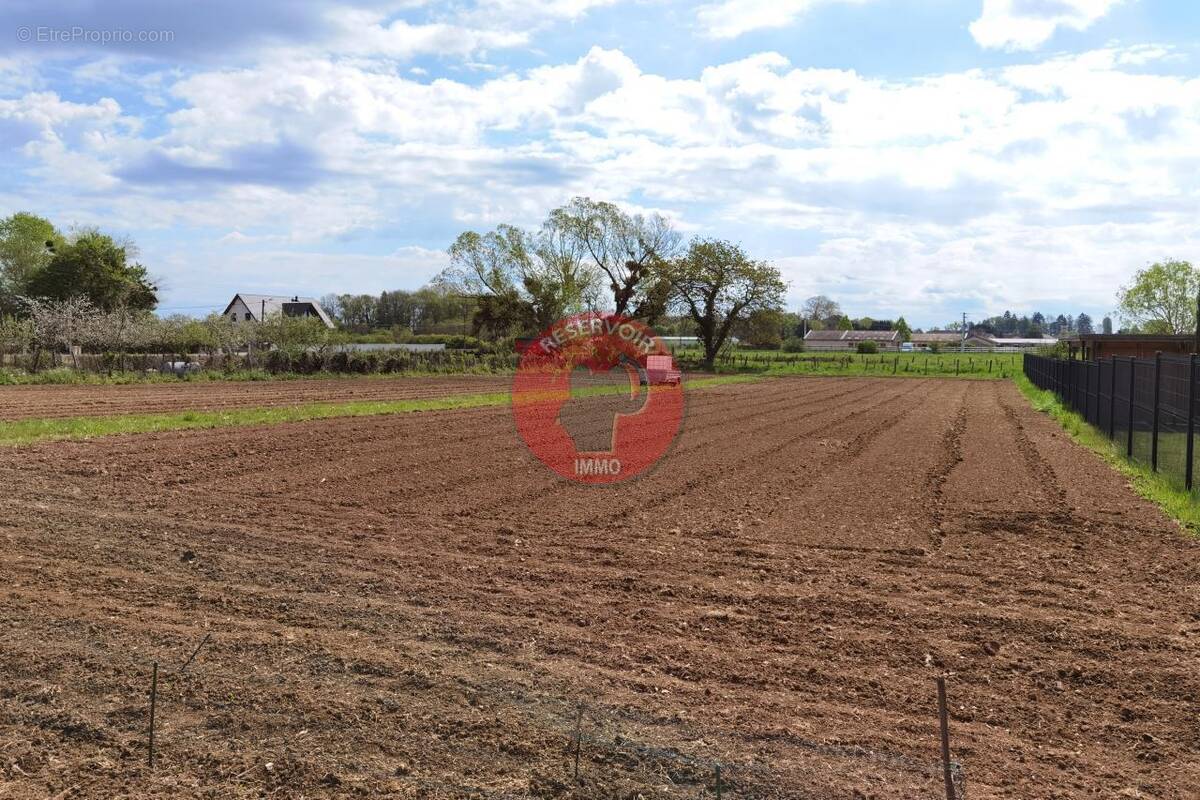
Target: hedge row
[{"x": 307, "y": 363}]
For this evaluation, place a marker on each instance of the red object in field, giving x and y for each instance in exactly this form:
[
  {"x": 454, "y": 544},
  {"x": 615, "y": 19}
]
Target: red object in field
[{"x": 661, "y": 369}]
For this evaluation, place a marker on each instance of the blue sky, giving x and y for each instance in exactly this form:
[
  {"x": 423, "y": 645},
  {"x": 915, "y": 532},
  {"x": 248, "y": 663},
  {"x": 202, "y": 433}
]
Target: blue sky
[{"x": 915, "y": 157}]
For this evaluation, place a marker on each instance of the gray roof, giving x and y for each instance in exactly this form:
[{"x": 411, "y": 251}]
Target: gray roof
[
  {"x": 852, "y": 336},
  {"x": 272, "y": 304},
  {"x": 938, "y": 336},
  {"x": 1048, "y": 341}
]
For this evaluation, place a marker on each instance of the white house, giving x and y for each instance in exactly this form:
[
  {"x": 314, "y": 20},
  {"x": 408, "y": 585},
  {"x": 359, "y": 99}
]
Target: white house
[{"x": 257, "y": 307}]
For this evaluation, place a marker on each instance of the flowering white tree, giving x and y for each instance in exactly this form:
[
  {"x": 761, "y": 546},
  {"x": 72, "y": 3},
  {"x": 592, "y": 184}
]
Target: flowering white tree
[{"x": 58, "y": 325}]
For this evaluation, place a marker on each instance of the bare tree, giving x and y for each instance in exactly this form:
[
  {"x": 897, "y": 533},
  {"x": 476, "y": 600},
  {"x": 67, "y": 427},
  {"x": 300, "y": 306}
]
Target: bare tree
[{"x": 822, "y": 308}]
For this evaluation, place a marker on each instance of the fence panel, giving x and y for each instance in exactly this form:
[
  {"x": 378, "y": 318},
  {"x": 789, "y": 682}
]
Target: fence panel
[
  {"x": 1173, "y": 415},
  {"x": 1147, "y": 406},
  {"x": 1103, "y": 413},
  {"x": 1143, "y": 408}
]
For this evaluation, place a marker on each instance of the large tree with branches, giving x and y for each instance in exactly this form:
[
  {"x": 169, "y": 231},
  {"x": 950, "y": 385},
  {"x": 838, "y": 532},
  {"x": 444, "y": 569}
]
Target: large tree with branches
[
  {"x": 1161, "y": 298},
  {"x": 629, "y": 251},
  {"x": 718, "y": 285},
  {"x": 523, "y": 282}
]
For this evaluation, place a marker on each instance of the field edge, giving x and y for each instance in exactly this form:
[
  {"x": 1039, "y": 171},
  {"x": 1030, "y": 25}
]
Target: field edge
[{"x": 1175, "y": 501}]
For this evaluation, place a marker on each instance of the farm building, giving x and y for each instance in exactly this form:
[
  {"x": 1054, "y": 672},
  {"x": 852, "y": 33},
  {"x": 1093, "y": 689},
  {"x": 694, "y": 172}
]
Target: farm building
[
  {"x": 947, "y": 340},
  {"x": 1093, "y": 346},
  {"x": 257, "y": 307},
  {"x": 848, "y": 340},
  {"x": 1022, "y": 344}
]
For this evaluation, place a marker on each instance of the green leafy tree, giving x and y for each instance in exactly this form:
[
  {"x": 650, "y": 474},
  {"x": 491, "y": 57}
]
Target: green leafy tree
[
  {"x": 844, "y": 324},
  {"x": 761, "y": 329},
  {"x": 903, "y": 329},
  {"x": 1083, "y": 324},
  {"x": 95, "y": 267},
  {"x": 27, "y": 245},
  {"x": 628, "y": 251},
  {"x": 521, "y": 282},
  {"x": 1161, "y": 298},
  {"x": 718, "y": 285}
]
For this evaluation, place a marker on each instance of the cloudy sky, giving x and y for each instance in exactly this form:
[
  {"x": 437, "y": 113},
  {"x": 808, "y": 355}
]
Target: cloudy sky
[{"x": 923, "y": 157}]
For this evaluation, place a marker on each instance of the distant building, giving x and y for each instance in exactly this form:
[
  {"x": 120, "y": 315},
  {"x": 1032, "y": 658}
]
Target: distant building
[
  {"x": 257, "y": 307},
  {"x": 947, "y": 340},
  {"x": 1094, "y": 346},
  {"x": 1015, "y": 343},
  {"x": 848, "y": 340},
  {"x": 943, "y": 340}
]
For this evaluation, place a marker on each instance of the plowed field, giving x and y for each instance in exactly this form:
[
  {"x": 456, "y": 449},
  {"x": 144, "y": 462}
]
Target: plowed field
[{"x": 412, "y": 606}]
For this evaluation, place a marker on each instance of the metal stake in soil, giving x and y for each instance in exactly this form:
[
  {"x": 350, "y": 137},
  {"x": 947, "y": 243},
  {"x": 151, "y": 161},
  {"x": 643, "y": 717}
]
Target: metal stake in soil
[
  {"x": 719, "y": 785},
  {"x": 195, "y": 653},
  {"x": 578, "y": 737},
  {"x": 944, "y": 717},
  {"x": 153, "y": 703}
]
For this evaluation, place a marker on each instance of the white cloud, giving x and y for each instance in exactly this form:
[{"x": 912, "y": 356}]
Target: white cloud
[
  {"x": 1045, "y": 179},
  {"x": 727, "y": 19},
  {"x": 1028, "y": 24}
]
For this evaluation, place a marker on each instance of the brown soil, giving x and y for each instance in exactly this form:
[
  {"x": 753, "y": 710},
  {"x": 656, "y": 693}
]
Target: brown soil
[
  {"x": 412, "y": 606},
  {"x": 25, "y": 402}
]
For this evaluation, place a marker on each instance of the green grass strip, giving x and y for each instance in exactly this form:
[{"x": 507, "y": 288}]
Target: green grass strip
[
  {"x": 28, "y": 431},
  {"x": 1167, "y": 493}
]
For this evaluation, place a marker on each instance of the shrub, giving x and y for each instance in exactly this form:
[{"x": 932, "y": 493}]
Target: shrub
[
  {"x": 934, "y": 347},
  {"x": 453, "y": 341},
  {"x": 397, "y": 362},
  {"x": 867, "y": 347},
  {"x": 278, "y": 361},
  {"x": 793, "y": 344}
]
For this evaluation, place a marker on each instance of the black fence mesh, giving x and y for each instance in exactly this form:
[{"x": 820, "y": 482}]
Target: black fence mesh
[{"x": 1145, "y": 405}]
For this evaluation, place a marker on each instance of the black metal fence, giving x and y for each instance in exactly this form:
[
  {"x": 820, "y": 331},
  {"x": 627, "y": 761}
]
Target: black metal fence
[{"x": 1146, "y": 405}]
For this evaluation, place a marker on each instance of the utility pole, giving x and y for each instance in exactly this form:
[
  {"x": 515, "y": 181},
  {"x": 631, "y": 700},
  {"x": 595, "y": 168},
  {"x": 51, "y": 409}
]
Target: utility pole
[{"x": 962, "y": 344}]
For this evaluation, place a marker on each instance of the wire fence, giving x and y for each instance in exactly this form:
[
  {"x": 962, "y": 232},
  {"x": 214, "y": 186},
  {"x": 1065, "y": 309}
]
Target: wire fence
[{"x": 1145, "y": 405}]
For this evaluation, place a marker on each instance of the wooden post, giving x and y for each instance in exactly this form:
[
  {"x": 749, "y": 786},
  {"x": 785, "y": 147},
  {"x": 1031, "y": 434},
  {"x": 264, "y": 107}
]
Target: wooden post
[{"x": 944, "y": 718}]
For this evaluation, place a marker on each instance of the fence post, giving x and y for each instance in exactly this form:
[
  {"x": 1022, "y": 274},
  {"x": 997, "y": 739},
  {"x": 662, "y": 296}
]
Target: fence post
[
  {"x": 944, "y": 724},
  {"x": 1129, "y": 432},
  {"x": 1154, "y": 424},
  {"x": 1191, "y": 429},
  {"x": 1112, "y": 400}
]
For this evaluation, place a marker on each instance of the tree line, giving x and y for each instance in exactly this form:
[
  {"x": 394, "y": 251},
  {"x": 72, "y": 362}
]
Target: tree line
[
  {"x": 37, "y": 260},
  {"x": 85, "y": 288},
  {"x": 591, "y": 255}
]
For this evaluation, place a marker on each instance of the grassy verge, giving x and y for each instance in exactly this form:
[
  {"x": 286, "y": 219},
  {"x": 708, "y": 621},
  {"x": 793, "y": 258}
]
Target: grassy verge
[
  {"x": 1169, "y": 494},
  {"x": 39, "y": 430},
  {"x": 994, "y": 366}
]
